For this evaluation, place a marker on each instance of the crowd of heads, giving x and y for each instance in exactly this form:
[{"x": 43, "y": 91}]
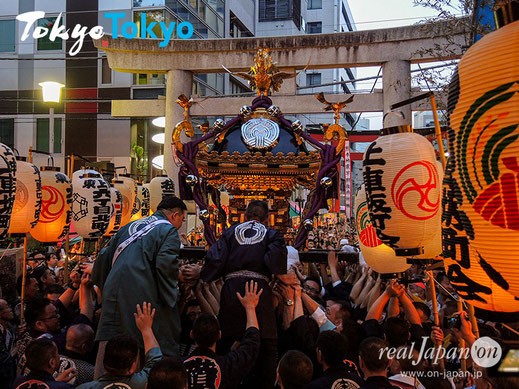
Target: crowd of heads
[{"x": 331, "y": 317}]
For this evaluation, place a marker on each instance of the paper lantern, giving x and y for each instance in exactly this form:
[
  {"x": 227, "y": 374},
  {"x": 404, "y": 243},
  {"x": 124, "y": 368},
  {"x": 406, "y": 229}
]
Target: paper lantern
[
  {"x": 27, "y": 202},
  {"x": 56, "y": 213},
  {"x": 466, "y": 269},
  {"x": 160, "y": 187},
  {"x": 142, "y": 203},
  {"x": 434, "y": 247},
  {"x": 127, "y": 195},
  {"x": 91, "y": 204},
  {"x": 7, "y": 188},
  {"x": 484, "y": 137},
  {"x": 116, "y": 214},
  {"x": 403, "y": 190},
  {"x": 380, "y": 257},
  {"x": 132, "y": 184}
]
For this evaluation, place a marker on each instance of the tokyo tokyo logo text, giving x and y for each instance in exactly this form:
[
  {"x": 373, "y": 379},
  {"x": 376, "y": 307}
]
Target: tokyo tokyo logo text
[{"x": 128, "y": 29}]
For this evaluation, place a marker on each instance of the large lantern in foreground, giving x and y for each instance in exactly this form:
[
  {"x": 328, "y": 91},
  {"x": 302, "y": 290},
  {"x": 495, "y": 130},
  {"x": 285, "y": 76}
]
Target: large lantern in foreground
[
  {"x": 484, "y": 106},
  {"x": 27, "y": 202},
  {"x": 467, "y": 270},
  {"x": 56, "y": 214},
  {"x": 91, "y": 204},
  {"x": 380, "y": 257},
  {"x": 7, "y": 187},
  {"x": 403, "y": 190},
  {"x": 160, "y": 187},
  {"x": 127, "y": 195},
  {"x": 116, "y": 214}
]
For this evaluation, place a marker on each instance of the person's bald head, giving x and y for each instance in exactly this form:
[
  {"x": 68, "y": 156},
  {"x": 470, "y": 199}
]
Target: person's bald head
[{"x": 80, "y": 338}]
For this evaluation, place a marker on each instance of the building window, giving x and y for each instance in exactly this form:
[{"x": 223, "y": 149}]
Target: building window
[
  {"x": 7, "y": 132},
  {"x": 148, "y": 79},
  {"x": 313, "y": 79},
  {"x": 314, "y": 27},
  {"x": 106, "y": 72},
  {"x": 151, "y": 16},
  {"x": 274, "y": 10},
  {"x": 7, "y": 36},
  {"x": 314, "y": 4},
  {"x": 42, "y": 134},
  {"x": 147, "y": 3},
  {"x": 45, "y": 43}
]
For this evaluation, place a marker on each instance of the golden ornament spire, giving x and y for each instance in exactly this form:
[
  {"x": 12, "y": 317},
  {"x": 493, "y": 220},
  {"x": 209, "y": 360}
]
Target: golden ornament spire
[{"x": 265, "y": 75}]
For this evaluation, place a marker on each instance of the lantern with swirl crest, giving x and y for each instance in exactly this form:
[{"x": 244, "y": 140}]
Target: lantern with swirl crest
[{"x": 258, "y": 154}]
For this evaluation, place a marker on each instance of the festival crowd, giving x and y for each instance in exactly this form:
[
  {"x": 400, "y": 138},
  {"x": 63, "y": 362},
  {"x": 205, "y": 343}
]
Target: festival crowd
[{"x": 251, "y": 315}]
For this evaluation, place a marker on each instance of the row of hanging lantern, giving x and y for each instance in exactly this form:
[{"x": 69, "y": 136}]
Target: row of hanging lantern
[{"x": 45, "y": 202}]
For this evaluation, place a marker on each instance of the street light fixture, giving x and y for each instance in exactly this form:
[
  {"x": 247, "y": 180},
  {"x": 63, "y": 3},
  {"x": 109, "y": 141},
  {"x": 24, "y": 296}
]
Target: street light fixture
[
  {"x": 158, "y": 138},
  {"x": 51, "y": 94},
  {"x": 159, "y": 122},
  {"x": 158, "y": 162}
]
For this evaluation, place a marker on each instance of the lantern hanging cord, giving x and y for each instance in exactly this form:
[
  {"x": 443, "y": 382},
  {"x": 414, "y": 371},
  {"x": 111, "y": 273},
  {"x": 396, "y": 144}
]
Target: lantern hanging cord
[{"x": 449, "y": 293}]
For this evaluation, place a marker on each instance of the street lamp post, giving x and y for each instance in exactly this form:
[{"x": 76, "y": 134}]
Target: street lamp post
[{"x": 51, "y": 94}]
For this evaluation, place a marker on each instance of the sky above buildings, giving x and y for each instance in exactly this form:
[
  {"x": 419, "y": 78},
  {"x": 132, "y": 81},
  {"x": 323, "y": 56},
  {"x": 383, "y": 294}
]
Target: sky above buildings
[{"x": 376, "y": 14}]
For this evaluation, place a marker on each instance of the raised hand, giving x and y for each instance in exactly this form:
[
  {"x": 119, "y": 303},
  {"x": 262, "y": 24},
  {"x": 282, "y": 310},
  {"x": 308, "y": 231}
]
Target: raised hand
[
  {"x": 144, "y": 317},
  {"x": 251, "y": 298}
]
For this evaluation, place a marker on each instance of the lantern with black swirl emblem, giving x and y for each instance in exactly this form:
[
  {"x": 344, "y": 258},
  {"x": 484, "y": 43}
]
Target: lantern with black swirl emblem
[
  {"x": 160, "y": 187},
  {"x": 56, "y": 206},
  {"x": 403, "y": 190},
  {"x": 116, "y": 198},
  {"x": 380, "y": 257},
  {"x": 7, "y": 188},
  {"x": 91, "y": 204},
  {"x": 27, "y": 201},
  {"x": 484, "y": 140}
]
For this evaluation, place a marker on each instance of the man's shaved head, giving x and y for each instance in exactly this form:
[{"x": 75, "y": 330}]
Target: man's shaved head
[{"x": 80, "y": 338}]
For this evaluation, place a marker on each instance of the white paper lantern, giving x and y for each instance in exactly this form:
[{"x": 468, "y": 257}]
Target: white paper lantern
[
  {"x": 160, "y": 187},
  {"x": 403, "y": 189},
  {"x": 7, "y": 188},
  {"x": 126, "y": 193},
  {"x": 91, "y": 205},
  {"x": 56, "y": 212},
  {"x": 142, "y": 203},
  {"x": 27, "y": 202},
  {"x": 116, "y": 213},
  {"x": 132, "y": 184},
  {"x": 380, "y": 257}
]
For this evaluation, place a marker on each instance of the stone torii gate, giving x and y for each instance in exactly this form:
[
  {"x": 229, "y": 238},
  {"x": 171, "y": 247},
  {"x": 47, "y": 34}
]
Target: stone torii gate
[{"x": 394, "y": 49}]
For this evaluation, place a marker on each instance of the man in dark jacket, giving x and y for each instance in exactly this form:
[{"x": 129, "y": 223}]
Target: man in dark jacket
[
  {"x": 141, "y": 263},
  {"x": 206, "y": 369},
  {"x": 332, "y": 350},
  {"x": 374, "y": 362},
  {"x": 43, "y": 361},
  {"x": 249, "y": 251}
]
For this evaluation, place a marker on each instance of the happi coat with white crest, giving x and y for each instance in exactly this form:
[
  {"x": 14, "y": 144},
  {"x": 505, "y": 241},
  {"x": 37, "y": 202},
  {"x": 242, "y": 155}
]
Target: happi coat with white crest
[
  {"x": 147, "y": 270},
  {"x": 252, "y": 247}
]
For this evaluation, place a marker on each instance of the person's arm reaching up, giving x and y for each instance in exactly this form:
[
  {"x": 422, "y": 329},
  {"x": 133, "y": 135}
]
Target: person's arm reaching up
[
  {"x": 144, "y": 322},
  {"x": 250, "y": 301},
  {"x": 410, "y": 311},
  {"x": 393, "y": 290}
]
